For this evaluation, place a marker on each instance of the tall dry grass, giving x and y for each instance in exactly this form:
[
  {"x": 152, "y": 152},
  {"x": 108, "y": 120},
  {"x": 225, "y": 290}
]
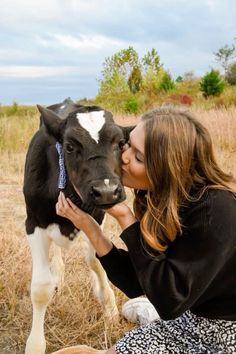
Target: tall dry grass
[
  {"x": 74, "y": 316},
  {"x": 222, "y": 125}
]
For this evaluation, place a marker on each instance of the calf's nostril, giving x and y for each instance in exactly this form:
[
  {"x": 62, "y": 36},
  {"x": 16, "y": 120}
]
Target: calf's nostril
[
  {"x": 96, "y": 192},
  {"x": 117, "y": 191}
]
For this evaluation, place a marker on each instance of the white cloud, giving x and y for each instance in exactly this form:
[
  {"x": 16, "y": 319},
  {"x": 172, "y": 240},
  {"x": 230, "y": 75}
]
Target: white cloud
[
  {"x": 14, "y": 71},
  {"x": 79, "y": 42},
  {"x": 88, "y": 41}
]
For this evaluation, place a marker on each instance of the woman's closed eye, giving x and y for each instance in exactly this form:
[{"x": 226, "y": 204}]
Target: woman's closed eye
[
  {"x": 138, "y": 157},
  {"x": 137, "y": 154}
]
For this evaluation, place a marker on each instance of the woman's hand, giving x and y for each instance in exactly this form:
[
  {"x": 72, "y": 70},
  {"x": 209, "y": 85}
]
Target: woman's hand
[
  {"x": 122, "y": 213},
  {"x": 84, "y": 222},
  {"x": 67, "y": 209}
]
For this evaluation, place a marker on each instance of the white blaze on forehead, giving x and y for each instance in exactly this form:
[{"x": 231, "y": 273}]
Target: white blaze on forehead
[
  {"x": 92, "y": 122},
  {"x": 106, "y": 181}
]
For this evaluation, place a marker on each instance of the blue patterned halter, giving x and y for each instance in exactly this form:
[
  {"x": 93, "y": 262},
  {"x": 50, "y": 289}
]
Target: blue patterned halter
[{"x": 62, "y": 170}]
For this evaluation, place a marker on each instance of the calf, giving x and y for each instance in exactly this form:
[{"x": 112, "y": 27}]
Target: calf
[{"x": 77, "y": 150}]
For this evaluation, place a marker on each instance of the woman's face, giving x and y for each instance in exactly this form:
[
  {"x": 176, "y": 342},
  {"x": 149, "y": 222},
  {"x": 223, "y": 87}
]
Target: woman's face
[{"x": 133, "y": 168}]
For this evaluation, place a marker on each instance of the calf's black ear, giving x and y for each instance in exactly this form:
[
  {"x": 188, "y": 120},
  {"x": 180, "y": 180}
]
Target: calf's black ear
[
  {"x": 126, "y": 131},
  {"x": 52, "y": 121}
]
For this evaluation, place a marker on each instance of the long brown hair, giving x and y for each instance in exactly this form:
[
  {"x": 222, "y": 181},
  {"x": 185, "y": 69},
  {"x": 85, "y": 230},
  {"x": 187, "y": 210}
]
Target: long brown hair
[{"x": 178, "y": 157}]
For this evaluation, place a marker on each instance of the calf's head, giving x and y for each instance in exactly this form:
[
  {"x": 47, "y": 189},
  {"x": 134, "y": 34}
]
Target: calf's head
[{"x": 92, "y": 150}]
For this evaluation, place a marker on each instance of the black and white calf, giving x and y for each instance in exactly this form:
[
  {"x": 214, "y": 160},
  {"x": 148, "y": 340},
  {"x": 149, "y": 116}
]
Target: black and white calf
[{"x": 79, "y": 148}]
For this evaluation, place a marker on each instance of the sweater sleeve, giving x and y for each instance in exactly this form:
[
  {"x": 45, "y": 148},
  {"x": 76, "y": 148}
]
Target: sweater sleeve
[
  {"x": 120, "y": 271},
  {"x": 175, "y": 280}
]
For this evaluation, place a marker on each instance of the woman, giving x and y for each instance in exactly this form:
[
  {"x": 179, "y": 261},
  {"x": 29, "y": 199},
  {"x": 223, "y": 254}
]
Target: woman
[{"x": 181, "y": 239}]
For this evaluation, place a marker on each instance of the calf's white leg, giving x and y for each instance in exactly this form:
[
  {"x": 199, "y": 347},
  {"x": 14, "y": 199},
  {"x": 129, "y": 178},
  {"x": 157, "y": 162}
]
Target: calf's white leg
[
  {"x": 57, "y": 266},
  {"x": 42, "y": 289},
  {"x": 101, "y": 287}
]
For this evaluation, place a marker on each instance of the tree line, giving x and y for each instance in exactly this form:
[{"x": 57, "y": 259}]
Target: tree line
[{"x": 128, "y": 78}]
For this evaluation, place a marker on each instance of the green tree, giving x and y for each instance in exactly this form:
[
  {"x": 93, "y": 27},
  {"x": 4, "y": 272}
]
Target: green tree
[
  {"x": 231, "y": 74},
  {"x": 152, "y": 80},
  {"x": 151, "y": 60},
  {"x": 224, "y": 55},
  {"x": 135, "y": 79},
  {"x": 113, "y": 90},
  {"x": 179, "y": 79},
  {"x": 167, "y": 83},
  {"x": 152, "y": 72},
  {"x": 122, "y": 62},
  {"x": 127, "y": 64},
  {"x": 212, "y": 84}
]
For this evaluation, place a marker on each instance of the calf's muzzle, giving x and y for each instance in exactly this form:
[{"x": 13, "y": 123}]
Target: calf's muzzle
[{"x": 107, "y": 192}]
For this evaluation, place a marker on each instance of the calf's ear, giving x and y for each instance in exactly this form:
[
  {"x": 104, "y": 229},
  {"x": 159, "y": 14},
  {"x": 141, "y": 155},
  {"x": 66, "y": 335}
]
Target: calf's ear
[
  {"x": 52, "y": 121},
  {"x": 126, "y": 131}
]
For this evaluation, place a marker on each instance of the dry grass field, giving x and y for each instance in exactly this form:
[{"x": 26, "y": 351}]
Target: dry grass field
[{"x": 74, "y": 316}]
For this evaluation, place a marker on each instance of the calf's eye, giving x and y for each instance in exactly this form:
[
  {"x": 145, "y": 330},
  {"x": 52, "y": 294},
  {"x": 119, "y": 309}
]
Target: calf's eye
[
  {"x": 121, "y": 144},
  {"x": 69, "y": 148}
]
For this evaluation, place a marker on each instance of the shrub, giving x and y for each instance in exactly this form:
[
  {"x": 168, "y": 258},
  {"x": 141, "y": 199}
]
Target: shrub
[
  {"x": 112, "y": 92},
  {"x": 131, "y": 105},
  {"x": 181, "y": 99},
  {"x": 152, "y": 80},
  {"x": 12, "y": 109},
  {"x": 212, "y": 84},
  {"x": 167, "y": 83},
  {"x": 179, "y": 79}
]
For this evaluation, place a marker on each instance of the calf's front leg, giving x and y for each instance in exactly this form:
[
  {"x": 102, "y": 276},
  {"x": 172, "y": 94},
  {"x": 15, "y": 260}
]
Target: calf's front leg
[
  {"x": 42, "y": 289},
  {"x": 101, "y": 286}
]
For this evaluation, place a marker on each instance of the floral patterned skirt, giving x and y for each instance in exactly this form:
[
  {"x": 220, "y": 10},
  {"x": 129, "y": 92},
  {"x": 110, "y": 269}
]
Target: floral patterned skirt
[{"x": 187, "y": 334}]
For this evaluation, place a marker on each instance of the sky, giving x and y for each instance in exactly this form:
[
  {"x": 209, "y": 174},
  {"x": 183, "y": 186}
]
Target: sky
[{"x": 54, "y": 49}]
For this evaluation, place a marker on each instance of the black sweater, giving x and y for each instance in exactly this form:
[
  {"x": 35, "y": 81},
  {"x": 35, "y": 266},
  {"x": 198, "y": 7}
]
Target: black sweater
[{"x": 198, "y": 270}]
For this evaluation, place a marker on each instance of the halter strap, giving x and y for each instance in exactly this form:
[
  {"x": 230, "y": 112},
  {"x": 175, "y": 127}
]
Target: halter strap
[{"x": 62, "y": 169}]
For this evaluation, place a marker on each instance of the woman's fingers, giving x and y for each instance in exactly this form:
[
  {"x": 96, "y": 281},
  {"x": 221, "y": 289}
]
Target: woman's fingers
[
  {"x": 65, "y": 203},
  {"x": 71, "y": 204},
  {"x": 62, "y": 199},
  {"x": 59, "y": 209},
  {"x": 66, "y": 208},
  {"x": 62, "y": 206}
]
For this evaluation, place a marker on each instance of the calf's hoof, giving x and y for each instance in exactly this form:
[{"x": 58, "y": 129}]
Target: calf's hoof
[
  {"x": 79, "y": 349},
  {"x": 32, "y": 347}
]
